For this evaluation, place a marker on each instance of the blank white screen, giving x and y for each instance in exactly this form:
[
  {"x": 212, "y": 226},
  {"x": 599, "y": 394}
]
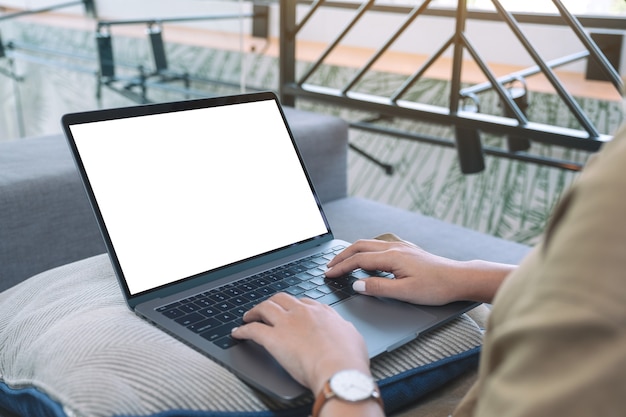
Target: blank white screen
[{"x": 186, "y": 192}]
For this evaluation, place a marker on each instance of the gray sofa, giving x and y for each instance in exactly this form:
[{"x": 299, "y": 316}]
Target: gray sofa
[{"x": 45, "y": 219}]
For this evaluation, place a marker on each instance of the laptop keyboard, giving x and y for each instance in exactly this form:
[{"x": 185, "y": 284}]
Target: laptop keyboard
[{"x": 214, "y": 313}]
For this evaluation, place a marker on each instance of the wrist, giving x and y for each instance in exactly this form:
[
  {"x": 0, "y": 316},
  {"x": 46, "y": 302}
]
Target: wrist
[
  {"x": 479, "y": 280},
  {"x": 326, "y": 368},
  {"x": 349, "y": 392}
]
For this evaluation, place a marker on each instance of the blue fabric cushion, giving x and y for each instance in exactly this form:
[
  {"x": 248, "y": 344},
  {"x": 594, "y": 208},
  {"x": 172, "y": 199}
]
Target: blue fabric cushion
[{"x": 71, "y": 347}]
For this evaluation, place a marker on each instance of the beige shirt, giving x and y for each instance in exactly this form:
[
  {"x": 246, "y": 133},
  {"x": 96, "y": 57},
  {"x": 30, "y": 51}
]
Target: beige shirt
[{"x": 556, "y": 339}]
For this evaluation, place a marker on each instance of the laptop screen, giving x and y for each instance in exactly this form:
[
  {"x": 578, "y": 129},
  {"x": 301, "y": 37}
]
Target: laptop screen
[{"x": 185, "y": 192}]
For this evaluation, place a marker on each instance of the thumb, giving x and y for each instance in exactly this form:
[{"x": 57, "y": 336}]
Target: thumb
[{"x": 379, "y": 287}]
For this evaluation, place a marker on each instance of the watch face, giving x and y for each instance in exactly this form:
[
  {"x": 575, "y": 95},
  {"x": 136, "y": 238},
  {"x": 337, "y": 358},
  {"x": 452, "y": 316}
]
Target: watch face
[{"x": 352, "y": 385}]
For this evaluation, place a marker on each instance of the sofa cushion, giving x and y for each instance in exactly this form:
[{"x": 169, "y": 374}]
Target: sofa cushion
[
  {"x": 355, "y": 218},
  {"x": 71, "y": 347},
  {"x": 46, "y": 220}
]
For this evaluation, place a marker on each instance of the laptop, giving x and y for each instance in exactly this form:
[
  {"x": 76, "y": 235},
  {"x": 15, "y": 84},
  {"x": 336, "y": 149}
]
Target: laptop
[{"x": 206, "y": 209}]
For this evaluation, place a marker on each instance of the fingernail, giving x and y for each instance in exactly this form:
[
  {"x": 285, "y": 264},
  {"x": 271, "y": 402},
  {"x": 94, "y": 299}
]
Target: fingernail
[
  {"x": 234, "y": 329},
  {"x": 359, "y": 285}
]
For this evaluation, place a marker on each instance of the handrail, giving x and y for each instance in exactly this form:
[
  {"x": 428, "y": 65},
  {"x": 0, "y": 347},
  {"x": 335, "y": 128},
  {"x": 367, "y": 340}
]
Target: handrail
[
  {"x": 593, "y": 21},
  {"x": 149, "y": 21},
  {"x": 515, "y": 124},
  {"x": 90, "y": 9}
]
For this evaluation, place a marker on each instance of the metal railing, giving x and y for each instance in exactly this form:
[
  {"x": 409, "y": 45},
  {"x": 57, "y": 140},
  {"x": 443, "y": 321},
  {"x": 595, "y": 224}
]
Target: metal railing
[
  {"x": 137, "y": 80},
  {"x": 468, "y": 124},
  {"x": 161, "y": 76}
]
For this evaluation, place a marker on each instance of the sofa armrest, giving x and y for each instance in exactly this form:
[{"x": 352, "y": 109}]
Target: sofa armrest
[
  {"x": 44, "y": 213},
  {"x": 323, "y": 143}
]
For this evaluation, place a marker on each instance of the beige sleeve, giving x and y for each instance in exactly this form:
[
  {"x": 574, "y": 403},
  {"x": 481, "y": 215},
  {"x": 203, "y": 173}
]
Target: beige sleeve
[{"x": 556, "y": 343}]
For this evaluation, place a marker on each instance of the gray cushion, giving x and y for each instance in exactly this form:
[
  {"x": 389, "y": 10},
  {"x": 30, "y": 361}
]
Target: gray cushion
[
  {"x": 70, "y": 346},
  {"x": 323, "y": 143},
  {"x": 44, "y": 214}
]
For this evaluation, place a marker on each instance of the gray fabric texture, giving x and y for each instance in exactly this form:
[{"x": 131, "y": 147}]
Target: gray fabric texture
[
  {"x": 355, "y": 218},
  {"x": 45, "y": 219},
  {"x": 323, "y": 143},
  {"x": 68, "y": 333}
]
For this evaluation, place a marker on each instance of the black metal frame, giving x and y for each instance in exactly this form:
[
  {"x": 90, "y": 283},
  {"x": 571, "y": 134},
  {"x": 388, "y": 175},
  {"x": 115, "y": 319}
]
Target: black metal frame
[
  {"x": 162, "y": 76},
  {"x": 515, "y": 124}
]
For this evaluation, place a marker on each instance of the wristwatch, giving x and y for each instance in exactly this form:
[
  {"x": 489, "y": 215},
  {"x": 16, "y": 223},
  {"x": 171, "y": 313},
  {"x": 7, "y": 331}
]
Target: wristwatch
[{"x": 348, "y": 385}]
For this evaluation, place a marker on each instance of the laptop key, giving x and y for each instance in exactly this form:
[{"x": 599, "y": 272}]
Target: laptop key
[
  {"x": 233, "y": 291},
  {"x": 333, "y": 297},
  {"x": 314, "y": 294},
  {"x": 320, "y": 261},
  {"x": 340, "y": 283},
  {"x": 309, "y": 264},
  {"x": 226, "y": 342},
  {"x": 292, "y": 281},
  {"x": 189, "y": 319},
  {"x": 218, "y": 297},
  {"x": 225, "y": 306},
  {"x": 295, "y": 290},
  {"x": 239, "y": 311},
  {"x": 359, "y": 273},
  {"x": 225, "y": 317},
  {"x": 189, "y": 308},
  {"x": 279, "y": 286},
  {"x": 239, "y": 300},
  {"x": 261, "y": 282},
  {"x": 253, "y": 296},
  {"x": 209, "y": 312},
  {"x": 325, "y": 289},
  {"x": 173, "y": 313},
  {"x": 247, "y": 287},
  {"x": 203, "y": 302},
  {"x": 318, "y": 280},
  {"x": 317, "y": 272},
  {"x": 307, "y": 285},
  {"x": 204, "y": 325},
  {"x": 219, "y": 331}
]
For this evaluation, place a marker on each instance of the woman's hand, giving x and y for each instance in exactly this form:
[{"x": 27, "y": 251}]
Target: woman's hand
[
  {"x": 421, "y": 277},
  {"x": 310, "y": 340}
]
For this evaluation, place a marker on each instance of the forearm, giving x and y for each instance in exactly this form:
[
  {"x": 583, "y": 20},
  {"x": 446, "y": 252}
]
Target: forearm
[{"x": 478, "y": 280}]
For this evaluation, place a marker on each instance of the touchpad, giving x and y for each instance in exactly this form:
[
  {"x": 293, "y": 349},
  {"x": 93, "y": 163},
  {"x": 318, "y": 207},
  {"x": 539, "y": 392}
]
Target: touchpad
[{"x": 385, "y": 324}]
